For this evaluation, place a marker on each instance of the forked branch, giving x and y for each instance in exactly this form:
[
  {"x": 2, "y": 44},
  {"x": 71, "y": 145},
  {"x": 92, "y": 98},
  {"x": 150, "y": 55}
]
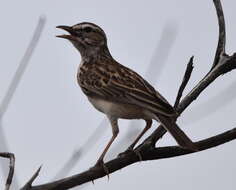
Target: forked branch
[{"x": 221, "y": 65}]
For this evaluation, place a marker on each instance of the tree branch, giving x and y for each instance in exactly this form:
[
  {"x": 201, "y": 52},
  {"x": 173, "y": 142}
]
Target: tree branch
[
  {"x": 160, "y": 131},
  {"x": 222, "y": 34},
  {"x": 186, "y": 78},
  {"x": 226, "y": 65},
  {"x": 11, "y": 168},
  {"x": 28, "y": 185},
  {"x": 222, "y": 64},
  {"x": 131, "y": 158}
]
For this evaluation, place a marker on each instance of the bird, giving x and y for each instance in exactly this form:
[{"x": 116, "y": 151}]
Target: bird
[{"x": 116, "y": 90}]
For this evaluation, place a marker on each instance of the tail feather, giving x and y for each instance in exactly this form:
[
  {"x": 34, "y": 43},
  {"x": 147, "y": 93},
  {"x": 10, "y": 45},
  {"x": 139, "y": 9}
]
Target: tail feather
[{"x": 181, "y": 138}]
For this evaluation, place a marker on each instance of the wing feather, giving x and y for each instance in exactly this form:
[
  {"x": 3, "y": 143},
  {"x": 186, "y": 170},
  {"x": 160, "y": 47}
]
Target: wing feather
[{"x": 119, "y": 83}]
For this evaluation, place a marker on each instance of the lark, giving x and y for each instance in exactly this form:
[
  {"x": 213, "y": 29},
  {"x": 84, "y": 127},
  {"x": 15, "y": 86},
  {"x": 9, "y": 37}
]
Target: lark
[{"x": 117, "y": 91}]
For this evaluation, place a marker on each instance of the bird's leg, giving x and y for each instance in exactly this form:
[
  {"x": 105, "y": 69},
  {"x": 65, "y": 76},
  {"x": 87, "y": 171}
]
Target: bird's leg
[
  {"x": 131, "y": 147},
  {"x": 115, "y": 131},
  {"x": 100, "y": 160},
  {"x": 148, "y": 126}
]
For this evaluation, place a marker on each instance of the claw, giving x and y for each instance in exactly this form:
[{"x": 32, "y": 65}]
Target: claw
[{"x": 100, "y": 163}]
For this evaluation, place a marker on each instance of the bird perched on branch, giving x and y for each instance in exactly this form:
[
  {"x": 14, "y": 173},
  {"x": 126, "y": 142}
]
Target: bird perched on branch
[{"x": 116, "y": 90}]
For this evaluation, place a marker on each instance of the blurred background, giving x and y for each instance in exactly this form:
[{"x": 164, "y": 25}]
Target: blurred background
[{"x": 49, "y": 121}]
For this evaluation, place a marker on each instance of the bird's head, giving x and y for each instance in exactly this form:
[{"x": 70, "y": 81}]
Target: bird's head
[{"x": 87, "y": 37}]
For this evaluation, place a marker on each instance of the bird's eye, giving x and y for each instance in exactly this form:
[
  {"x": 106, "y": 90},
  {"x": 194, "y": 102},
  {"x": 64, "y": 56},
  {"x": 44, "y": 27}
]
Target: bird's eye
[{"x": 87, "y": 29}]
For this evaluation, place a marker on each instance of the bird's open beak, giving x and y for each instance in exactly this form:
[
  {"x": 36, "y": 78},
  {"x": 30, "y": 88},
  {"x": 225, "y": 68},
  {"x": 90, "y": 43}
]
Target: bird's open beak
[{"x": 70, "y": 30}]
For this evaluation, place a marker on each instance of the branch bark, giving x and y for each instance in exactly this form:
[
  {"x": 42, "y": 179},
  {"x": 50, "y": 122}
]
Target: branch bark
[
  {"x": 184, "y": 83},
  {"x": 11, "y": 157},
  {"x": 222, "y": 34},
  {"x": 28, "y": 185}
]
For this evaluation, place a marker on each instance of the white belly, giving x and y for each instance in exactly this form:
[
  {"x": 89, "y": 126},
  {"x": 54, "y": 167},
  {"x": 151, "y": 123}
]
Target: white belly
[
  {"x": 101, "y": 105},
  {"x": 119, "y": 110}
]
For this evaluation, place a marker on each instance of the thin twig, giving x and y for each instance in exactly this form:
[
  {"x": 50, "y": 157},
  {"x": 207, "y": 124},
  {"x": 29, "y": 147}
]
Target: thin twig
[
  {"x": 28, "y": 185},
  {"x": 186, "y": 78},
  {"x": 11, "y": 168},
  {"x": 226, "y": 65},
  {"x": 222, "y": 34},
  {"x": 160, "y": 131}
]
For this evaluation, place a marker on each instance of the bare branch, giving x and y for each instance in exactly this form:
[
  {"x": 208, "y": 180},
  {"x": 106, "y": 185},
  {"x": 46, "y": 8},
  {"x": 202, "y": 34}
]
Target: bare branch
[
  {"x": 11, "y": 168},
  {"x": 223, "y": 65},
  {"x": 128, "y": 159},
  {"x": 222, "y": 34},
  {"x": 227, "y": 64},
  {"x": 186, "y": 78},
  {"x": 160, "y": 131},
  {"x": 28, "y": 185}
]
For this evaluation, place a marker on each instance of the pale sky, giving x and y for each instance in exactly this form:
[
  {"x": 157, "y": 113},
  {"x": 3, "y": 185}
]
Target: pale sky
[{"x": 49, "y": 117}]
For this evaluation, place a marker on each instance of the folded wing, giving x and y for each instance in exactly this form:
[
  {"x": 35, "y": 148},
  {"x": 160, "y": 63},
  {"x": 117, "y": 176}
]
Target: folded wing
[{"x": 119, "y": 83}]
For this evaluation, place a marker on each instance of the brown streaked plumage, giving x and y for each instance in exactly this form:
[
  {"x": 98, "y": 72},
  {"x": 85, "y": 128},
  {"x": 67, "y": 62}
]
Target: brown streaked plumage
[{"x": 116, "y": 90}]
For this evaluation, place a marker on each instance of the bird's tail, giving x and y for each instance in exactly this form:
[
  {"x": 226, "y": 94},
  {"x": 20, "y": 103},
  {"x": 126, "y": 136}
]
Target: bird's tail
[{"x": 181, "y": 138}]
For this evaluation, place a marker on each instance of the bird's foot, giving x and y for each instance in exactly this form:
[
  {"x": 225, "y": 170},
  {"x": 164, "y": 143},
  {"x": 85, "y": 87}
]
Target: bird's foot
[{"x": 100, "y": 163}]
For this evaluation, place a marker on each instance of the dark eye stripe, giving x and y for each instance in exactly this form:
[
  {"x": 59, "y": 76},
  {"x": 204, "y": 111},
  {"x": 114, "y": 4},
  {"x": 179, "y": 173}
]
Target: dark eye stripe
[{"x": 78, "y": 32}]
